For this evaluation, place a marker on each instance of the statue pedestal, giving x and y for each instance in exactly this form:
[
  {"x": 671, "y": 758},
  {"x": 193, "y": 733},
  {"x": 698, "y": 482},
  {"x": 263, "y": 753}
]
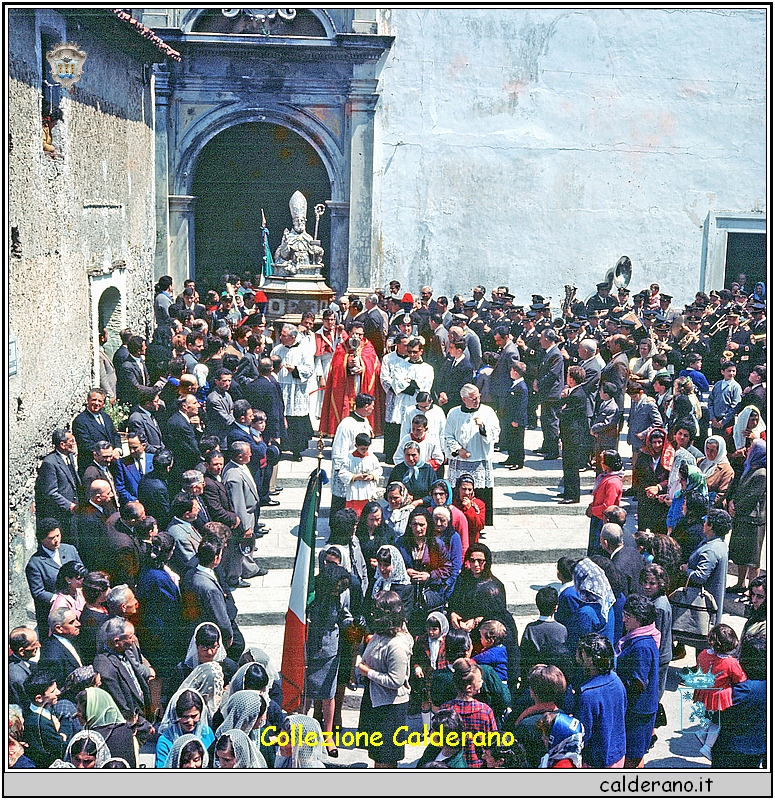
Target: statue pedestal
[{"x": 289, "y": 297}]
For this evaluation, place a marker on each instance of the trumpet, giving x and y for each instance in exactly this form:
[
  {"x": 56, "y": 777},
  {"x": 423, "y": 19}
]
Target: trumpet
[{"x": 719, "y": 325}]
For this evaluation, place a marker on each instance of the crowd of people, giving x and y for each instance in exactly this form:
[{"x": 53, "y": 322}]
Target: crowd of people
[{"x": 144, "y": 538}]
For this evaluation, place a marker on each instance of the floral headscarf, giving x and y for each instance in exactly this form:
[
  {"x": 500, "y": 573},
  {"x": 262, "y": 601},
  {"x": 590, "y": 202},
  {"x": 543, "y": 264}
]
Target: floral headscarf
[{"x": 592, "y": 585}]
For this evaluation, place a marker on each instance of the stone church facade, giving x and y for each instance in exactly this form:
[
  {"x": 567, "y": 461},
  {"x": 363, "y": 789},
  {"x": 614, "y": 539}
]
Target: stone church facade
[{"x": 461, "y": 146}]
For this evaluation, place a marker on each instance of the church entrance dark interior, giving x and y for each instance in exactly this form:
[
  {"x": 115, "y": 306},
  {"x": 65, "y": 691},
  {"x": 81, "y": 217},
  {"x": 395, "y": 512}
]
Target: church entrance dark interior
[{"x": 240, "y": 171}]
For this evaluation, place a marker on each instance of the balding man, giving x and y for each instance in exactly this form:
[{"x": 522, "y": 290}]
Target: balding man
[
  {"x": 627, "y": 560},
  {"x": 24, "y": 645},
  {"x": 91, "y": 520},
  {"x": 123, "y": 552},
  {"x": 120, "y": 677}
]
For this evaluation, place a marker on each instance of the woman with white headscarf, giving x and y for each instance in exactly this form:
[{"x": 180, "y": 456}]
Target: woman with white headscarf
[
  {"x": 747, "y": 428},
  {"x": 716, "y": 468},
  {"x": 188, "y": 752},
  {"x": 297, "y": 753},
  {"x": 87, "y": 750},
  {"x": 186, "y": 713},
  {"x": 235, "y": 750},
  {"x": 390, "y": 575},
  {"x": 208, "y": 680},
  {"x": 204, "y": 647},
  {"x": 245, "y": 711},
  {"x": 595, "y": 611}
]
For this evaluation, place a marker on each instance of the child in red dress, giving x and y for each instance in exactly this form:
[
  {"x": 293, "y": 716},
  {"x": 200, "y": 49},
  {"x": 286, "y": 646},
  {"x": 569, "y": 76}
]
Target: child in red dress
[{"x": 718, "y": 659}]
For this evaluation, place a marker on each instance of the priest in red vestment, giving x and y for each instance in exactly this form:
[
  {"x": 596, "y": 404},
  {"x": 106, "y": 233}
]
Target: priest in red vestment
[{"x": 354, "y": 368}]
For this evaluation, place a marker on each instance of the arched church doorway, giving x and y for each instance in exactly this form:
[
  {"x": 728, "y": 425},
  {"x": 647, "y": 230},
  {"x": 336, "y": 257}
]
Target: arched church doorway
[
  {"x": 109, "y": 315},
  {"x": 246, "y": 168}
]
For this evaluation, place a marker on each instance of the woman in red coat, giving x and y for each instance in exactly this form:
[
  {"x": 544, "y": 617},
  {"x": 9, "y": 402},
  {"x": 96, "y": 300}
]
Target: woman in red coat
[{"x": 607, "y": 492}]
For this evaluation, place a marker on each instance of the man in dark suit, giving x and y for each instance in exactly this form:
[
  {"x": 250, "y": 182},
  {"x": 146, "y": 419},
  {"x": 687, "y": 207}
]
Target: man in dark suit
[
  {"x": 375, "y": 324},
  {"x": 123, "y": 352},
  {"x": 574, "y": 433},
  {"x": 130, "y": 469},
  {"x": 45, "y": 737},
  {"x": 132, "y": 374},
  {"x": 454, "y": 373},
  {"x": 515, "y": 417},
  {"x": 91, "y": 518},
  {"x": 266, "y": 394},
  {"x": 94, "y": 425},
  {"x": 123, "y": 552},
  {"x": 240, "y": 431},
  {"x": 203, "y": 598},
  {"x": 626, "y": 558},
  {"x": 59, "y": 655},
  {"x": 57, "y": 484},
  {"x": 153, "y": 490},
  {"x": 548, "y": 387},
  {"x": 43, "y": 567},
  {"x": 120, "y": 677},
  {"x": 142, "y": 420},
  {"x": 617, "y": 370},
  {"x": 23, "y": 644},
  {"x": 592, "y": 365},
  {"x": 182, "y": 438},
  {"x": 101, "y": 468}
]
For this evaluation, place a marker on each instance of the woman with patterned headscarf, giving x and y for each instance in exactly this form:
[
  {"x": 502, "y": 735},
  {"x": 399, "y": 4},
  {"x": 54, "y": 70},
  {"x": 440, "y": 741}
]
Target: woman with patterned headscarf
[
  {"x": 299, "y": 753},
  {"x": 650, "y": 475},
  {"x": 235, "y": 750},
  {"x": 595, "y": 612}
]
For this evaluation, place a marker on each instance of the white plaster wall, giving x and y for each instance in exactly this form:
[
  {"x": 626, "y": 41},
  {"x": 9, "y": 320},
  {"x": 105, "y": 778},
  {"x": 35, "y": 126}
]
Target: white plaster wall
[{"x": 534, "y": 147}]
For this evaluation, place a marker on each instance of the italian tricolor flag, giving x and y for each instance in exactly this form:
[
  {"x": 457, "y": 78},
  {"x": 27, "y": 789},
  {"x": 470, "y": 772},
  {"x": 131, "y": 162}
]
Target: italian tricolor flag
[{"x": 302, "y": 593}]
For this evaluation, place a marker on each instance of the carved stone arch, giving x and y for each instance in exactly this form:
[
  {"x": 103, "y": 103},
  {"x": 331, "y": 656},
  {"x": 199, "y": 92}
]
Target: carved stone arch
[
  {"x": 219, "y": 119},
  {"x": 190, "y": 18}
]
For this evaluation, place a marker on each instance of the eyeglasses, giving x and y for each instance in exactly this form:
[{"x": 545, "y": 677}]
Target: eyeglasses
[{"x": 477, "y": 560}]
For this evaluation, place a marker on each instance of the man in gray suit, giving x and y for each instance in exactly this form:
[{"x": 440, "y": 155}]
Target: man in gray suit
[
  {"x": 644, "y": 415},
  {"x": 43, "y": 567},
  {"x": 708, "y": 563},
  {"x": 185, "y": 509},
  {"x": 242, "y": 487},
  {"x": 57, "y": 484},
  {"x": 220, "y": 406}
]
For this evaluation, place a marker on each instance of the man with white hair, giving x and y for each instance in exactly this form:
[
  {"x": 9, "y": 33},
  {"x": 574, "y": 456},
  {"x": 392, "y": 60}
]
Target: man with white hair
[
  {"x": 296, "y": 368},
  {"x": 470, "y": 435}
]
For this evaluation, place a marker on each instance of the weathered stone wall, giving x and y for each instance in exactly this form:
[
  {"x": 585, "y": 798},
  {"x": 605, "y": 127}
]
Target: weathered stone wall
[
  {"x": 89, "y": 206},
  {"x": 534, "y": 147}
]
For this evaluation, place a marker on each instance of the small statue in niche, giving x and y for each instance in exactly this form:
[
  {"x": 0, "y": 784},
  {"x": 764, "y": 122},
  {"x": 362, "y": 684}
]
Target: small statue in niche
[{"x": 300, "y": 253}]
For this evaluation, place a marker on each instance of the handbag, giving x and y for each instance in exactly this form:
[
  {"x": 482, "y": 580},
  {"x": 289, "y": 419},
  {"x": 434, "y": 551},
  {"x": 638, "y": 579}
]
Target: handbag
[{"x": 693, "y": 608}]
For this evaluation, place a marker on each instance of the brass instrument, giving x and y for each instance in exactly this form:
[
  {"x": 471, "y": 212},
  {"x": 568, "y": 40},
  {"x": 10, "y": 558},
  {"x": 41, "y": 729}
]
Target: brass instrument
[
  {"x": 570, "y": 296},
  {"x": 618, "y": 276},
  {"x": 687, "y": 337},
  {"x": 717, "y": 326},
  {"x": 759, "y": 338}
]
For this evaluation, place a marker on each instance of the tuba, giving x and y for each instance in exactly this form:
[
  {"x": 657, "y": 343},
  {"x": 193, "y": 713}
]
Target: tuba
[{"x": 618, "y": 276}]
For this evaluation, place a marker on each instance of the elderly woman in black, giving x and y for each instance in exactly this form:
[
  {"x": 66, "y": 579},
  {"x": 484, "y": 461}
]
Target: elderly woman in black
[{"x": 477, "y": 568}]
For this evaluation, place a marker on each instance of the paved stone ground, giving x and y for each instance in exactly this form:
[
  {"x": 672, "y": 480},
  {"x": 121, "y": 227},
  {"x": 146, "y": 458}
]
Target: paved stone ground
[{"x": 530, "y": 532}]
